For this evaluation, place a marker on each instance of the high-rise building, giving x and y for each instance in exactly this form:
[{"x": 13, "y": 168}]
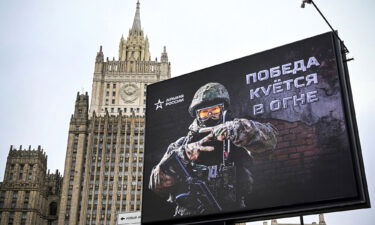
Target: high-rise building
[
  {"x": 29, "y": 195},
  {"x": 321, "y": 222},
  {"x": 104, "y": 158}
]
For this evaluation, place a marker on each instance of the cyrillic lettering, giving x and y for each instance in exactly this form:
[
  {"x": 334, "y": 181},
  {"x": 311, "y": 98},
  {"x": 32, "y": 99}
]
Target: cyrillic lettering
[
  {"x": 254, "y": 93},
  {"x": 275, "y": 72},
  {"x": 296, "y": 100},
  {"x": 312, "y": 62},
  {"x": 249, "y": 76},
  {"x": 296, "y": 84},
  {"x": 299, "y": 66},
  {"x": 311, "y": 79},
  {"x": 275, "y": 105},
  {"x": 286, "y": 68},
  {"x": 258, "y": 109},
  {"x": 263, "y": 75},
  {"x": 311, "y": 96}
]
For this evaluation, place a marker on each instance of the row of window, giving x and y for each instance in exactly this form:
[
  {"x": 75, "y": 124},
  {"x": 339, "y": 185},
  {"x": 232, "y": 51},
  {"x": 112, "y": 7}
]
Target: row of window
[
  {"x": 114, "y": 85},
  {"x": 111, "y": 167},
  {"x": 114, "y": 138},
  {"x": 113, "y": 93},
  {"x": 122, "y": 146},
  {"x": 109, "y": 85},
  {"x": 22, "y": 166},
  {"x": 20, "y": 176},
  {"x": 14, "y": 199},
  {"x": 131, "y": 110},
  {"x": 110, "y": 126}
]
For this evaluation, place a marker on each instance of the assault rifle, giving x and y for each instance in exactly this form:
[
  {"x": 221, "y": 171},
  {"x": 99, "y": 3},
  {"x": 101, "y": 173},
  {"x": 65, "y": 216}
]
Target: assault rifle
[{"x": 197, "y": 188}]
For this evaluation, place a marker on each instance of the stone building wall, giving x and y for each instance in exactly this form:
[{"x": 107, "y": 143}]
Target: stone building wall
[{"x": 29, "y": 192}]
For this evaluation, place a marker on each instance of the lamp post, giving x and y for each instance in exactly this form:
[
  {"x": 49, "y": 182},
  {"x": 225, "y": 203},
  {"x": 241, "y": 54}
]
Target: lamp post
[{"x": 345, "y": 49}]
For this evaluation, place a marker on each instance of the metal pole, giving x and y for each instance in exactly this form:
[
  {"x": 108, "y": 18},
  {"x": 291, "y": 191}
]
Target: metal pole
[
  {"x": 301, "y": 220},
  {"x": 346, "y": 50}
]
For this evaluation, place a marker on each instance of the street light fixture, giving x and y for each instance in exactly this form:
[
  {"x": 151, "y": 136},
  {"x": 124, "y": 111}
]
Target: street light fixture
[{"x": 304, "y": 2}]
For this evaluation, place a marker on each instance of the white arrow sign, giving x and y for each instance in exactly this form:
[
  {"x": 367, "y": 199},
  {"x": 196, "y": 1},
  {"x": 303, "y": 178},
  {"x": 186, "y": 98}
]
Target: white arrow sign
[{"x": 129, "y": 218}]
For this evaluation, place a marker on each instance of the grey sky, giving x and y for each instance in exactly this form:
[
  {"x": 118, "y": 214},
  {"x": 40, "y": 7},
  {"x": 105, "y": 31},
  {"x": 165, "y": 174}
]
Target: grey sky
[{"x": 48, "y": 49}]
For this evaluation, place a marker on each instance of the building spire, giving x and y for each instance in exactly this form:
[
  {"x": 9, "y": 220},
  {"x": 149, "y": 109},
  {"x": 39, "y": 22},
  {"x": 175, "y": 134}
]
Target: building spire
[
  {"x": 321, "y": 220},
  {"x": 137, "y": 19}
]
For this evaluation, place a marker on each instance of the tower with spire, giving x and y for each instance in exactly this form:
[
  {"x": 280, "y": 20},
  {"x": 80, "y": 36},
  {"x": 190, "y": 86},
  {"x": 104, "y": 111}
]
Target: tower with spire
[
  {"x": 104, "y": 156},
  {"x": 120, "y": 84}
]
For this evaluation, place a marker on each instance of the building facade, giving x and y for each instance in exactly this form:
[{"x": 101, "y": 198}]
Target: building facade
[
  {"x": 29, "y": 195},
  {"x": 104, "y": 159},
  {"x": 321, "y": 222}
]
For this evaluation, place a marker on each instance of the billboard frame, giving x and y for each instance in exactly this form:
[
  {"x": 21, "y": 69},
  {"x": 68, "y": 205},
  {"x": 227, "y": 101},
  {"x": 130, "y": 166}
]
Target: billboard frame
[{"x": 360, "y": 201}]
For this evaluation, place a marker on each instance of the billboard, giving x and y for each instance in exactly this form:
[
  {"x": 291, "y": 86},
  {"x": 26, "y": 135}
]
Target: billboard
[{"x": 269, "y": 135}]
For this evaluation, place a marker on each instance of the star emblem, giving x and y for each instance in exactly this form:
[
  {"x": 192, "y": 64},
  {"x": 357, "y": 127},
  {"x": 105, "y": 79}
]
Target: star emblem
[{"x": 159, "y": 104}]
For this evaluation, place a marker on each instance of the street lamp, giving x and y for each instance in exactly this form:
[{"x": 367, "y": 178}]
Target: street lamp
[
  {"x": 304, "y": 2},
  {"x": 345, "y": 49}
]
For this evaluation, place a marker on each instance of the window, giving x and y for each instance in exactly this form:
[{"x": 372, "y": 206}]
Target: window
[
  {"x": 53, "y": 208},
  {"x": 114, "y": 85},
  {"x": 107, "y": 93},
  {"x": 113, "y": 93},
  {"x": 27, "y": 195},
  {"x": 106, "y": 101},
  {"x": 112, "y": 110},
  {"x": 108, "y": 86},
  {"x": 10, "y": 220},
  {"x": 137, "y": 110},
  {"x": 124, "y": 109},
  {"x": 113, "y": 101}
]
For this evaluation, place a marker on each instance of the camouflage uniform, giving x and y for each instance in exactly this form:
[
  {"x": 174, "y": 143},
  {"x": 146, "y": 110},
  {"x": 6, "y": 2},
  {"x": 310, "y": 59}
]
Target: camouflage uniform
[{"x": 244, "y": 137}]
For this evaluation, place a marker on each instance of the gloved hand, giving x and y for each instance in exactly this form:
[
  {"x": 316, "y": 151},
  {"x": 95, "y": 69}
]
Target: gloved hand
[
  {"x": 192, "y": 149},
  {"x": 220, "y": 132}
]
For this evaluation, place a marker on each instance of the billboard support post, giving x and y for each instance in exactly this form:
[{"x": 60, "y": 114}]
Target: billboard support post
[{"x": 301, "y": 220}]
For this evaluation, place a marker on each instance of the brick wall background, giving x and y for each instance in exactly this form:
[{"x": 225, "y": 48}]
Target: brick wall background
[{"x": 309, "y": 164}]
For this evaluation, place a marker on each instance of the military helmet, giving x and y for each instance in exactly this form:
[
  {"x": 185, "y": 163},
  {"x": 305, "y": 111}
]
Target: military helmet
[{"x": 210, "y": 93}]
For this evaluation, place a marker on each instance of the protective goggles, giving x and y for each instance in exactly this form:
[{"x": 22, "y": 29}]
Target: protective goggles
[{"x": 210, "y": 112}]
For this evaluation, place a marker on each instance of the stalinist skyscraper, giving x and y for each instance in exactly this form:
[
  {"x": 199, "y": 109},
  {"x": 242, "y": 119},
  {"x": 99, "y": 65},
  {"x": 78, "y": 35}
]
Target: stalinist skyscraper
[
  {"x": 104, "y": 158},
  {"x": 120, "y": 85}
]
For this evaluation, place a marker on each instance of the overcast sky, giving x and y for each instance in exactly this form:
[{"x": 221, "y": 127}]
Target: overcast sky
[{"x": 48, "y": 48}]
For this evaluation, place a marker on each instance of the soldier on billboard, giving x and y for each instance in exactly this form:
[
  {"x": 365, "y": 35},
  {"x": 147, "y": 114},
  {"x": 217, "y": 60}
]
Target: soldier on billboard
[{"x": 209, "y": 169}]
